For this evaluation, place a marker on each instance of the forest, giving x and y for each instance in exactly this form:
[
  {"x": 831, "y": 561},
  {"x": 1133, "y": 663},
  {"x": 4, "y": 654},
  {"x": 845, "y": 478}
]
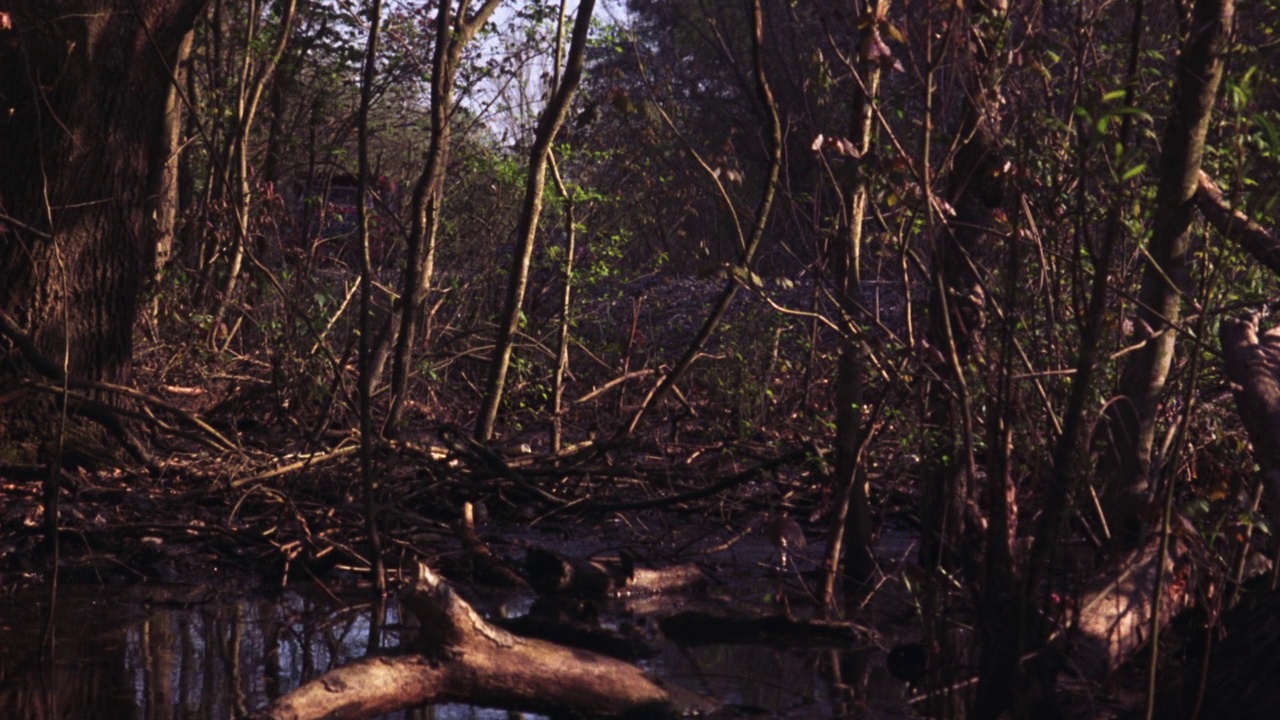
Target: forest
[{"x": 639, "y": 358}]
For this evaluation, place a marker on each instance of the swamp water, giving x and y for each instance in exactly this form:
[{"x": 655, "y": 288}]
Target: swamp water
[{"x": 204, "y": 652}]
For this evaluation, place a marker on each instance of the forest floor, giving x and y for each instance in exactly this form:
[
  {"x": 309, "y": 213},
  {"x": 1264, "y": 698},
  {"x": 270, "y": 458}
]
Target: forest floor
[
  {"x": 254, "y": 488},
  {"x": 248, "y": 474}
]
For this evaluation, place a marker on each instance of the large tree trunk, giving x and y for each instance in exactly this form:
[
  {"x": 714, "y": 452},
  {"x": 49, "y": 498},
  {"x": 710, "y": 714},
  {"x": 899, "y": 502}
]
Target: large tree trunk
[{"x": 86, "y": 84}]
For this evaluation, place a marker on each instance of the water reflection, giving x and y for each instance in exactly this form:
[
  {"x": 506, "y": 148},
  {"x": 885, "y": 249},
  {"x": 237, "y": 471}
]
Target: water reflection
[
  {"x": 170, "y": 652},
  {"x": 191, "y": 653}
]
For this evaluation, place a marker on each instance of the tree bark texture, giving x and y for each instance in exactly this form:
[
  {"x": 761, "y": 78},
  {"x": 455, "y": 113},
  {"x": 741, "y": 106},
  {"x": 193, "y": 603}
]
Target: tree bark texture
[
  {"x": 1132, "y": 420},
  {"x": 86, "y": 84}
]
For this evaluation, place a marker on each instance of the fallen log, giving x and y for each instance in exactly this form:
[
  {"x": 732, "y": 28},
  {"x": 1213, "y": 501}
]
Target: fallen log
[
  {"x": 1115, "y": 611},
  {"x": 551, "y": 574},
  {"x": 460, "y": 657}
]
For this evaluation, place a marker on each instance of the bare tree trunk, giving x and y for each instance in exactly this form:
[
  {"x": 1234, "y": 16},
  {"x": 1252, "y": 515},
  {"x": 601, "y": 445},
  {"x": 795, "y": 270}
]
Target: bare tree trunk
[
  {"x": 548, "y": 126},
  {"x": 852, "y": 527},
  {"x": 162, "y": 177},
  {"x": 454, "y": 30},
  {"x": 1131, "y": 422},
  {"x": 367, "y": 476},
  {"x": 566, "y": 308},
  {"x": 566, "y": 276}
]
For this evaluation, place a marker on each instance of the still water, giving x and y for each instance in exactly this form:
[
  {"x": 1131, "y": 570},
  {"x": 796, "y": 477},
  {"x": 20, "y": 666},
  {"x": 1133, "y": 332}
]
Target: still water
[{"x": 206, "y": 653}]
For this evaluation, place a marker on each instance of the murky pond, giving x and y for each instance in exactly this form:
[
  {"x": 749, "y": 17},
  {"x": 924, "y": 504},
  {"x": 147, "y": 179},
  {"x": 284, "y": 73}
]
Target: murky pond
[{"x": 200, "y": 652}]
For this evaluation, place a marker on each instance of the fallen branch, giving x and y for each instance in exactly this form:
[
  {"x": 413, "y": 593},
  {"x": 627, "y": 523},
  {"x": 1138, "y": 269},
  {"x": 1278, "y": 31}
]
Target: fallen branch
[
  {"x": 1235, "y": 225},
  {"x": 462, "y": 658},
  {"x": 1115, "y": 611},
  {"x": 308, "y": 461}
]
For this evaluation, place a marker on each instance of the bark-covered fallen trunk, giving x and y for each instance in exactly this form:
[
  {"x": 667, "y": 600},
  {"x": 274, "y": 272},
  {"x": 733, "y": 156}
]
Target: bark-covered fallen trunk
[
  {"x": 462, "y": 658},
  {"x": 1114, "y": 618},
  {"x": 1235, "y": 225},
  {"x": 552, "y": 574}
]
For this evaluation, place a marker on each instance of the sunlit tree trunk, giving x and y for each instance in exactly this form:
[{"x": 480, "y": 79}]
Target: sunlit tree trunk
[
  {"x": 1131, "y": 421},
  {"x": 549, "y": 124},
  {"x": 454, "y": 30},
  {"x": 162, "y": 176}
]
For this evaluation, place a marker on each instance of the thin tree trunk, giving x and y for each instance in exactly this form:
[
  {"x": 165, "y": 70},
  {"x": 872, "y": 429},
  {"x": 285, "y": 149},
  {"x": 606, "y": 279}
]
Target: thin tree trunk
[
  {"x": 162, "y": 177},
  {"x": 566, "y": 294},
  {"x": 548, "y": 126},
  {"x": 957, "y": 304},
  {"x": 953, "y": 502},
  {"x": 566, "y": 307},
  {"x": 1131, "y": 421},
  {"x": 454, "y": 30},
  {"x": 1066, "y": 481},
  {"x": 249, "y": 94},
  {"x": 368, "y": 478},
  {"x": 852, "y": 527}
]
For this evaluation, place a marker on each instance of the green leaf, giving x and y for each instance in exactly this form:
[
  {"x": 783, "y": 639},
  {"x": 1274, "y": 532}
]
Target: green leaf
[
  {"x": 1133, "y": 171},
  {"x": 1273, "y": 137}
]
